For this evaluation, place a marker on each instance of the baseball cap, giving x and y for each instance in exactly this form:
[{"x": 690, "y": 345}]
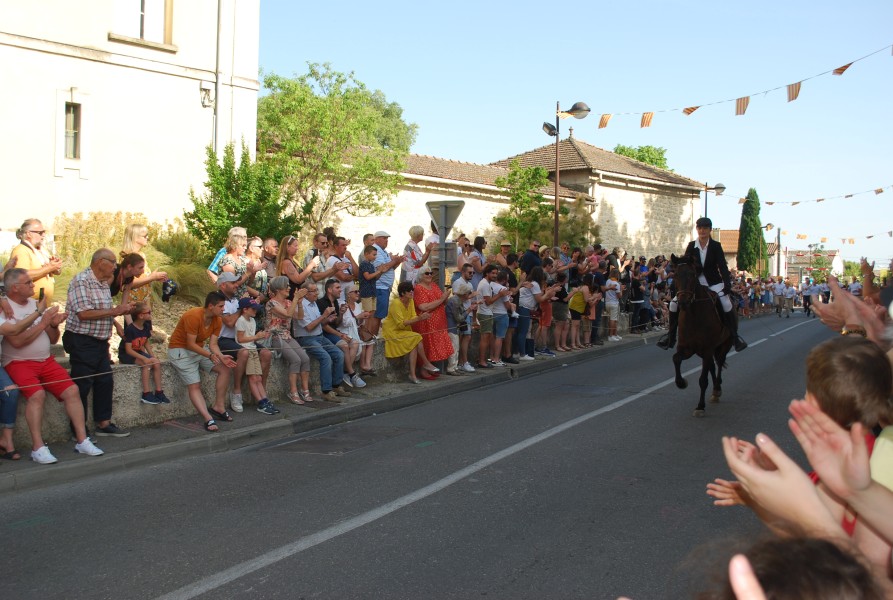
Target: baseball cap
[
  {"x": 381, "y": 233},
  {"x": 248, "y": 303},
  {"x": 505, "y": 243},
  {"x": 226, "y": 277},
  {"x": 704, "y": 222}
]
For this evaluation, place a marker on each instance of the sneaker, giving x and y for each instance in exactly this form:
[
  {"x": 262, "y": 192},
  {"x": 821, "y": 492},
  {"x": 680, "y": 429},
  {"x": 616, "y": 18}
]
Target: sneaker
[
  {"x": 467, "y": 368},
  {"x": 266, "y": 408},
  {"x": 598, "y": 342},
  {"x": 235, "y": 402},
  {"x": 525, "y": 358},
  {"x": 150, "y": 398},
  {"x": 510, "y": 360},
  {"x": 43, "y": 456},
  {"x": 87, "y": 447},
  {"x": 341, "y": 391},
  {"x": 162, "y": 398},
  {"x": 540, "y": 351},
  {"x": 346, "y": 380},
  {"x": 357, "y": 381},
  {"x": 110, "y": 430},
  {"x": 498, "y": 363},
  {"x": 547, "y": 352}
]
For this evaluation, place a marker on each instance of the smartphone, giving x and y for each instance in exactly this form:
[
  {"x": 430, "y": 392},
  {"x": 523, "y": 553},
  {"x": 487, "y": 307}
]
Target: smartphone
[{"x": 40, "y": 294}]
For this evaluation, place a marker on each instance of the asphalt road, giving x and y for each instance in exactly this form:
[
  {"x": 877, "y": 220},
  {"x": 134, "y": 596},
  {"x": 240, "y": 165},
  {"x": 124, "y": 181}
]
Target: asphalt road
[{"x": 584, "y": 482}]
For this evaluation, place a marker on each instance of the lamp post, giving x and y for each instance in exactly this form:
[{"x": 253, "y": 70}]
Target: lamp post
[
  {"x": 717, "y": 189},
  {"x": 767, "y": 227},
  {"x": 578, "y": 111}
]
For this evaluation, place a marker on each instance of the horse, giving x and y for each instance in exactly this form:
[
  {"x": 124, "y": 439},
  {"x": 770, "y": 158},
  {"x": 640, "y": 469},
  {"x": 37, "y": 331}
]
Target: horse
[{"x": 701, "y": 331}]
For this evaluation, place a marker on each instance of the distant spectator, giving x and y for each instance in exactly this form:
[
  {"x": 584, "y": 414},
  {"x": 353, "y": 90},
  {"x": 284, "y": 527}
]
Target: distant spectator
[
  {"x": 135, "y": 349},
  {"x": 136, "y": 238},
  {"x": 331, "y": 331},
  {"x": 308, "y": 331},
  {"x": 386, "y": 263},
  {"x": 344, "y": 268},
  {"x": 530, "y": 258},
  {"x": 429, "y": 298},
  {"x": 248, "y": 337},
  {"x": 214, "y": 268},
  {"x": 505, "y": 248},
  {"x": 476, "y": 260},
  {"x": 285, "y": 264},
  {"x": 458, "y": 315},
  {"x": 236, "y": 262},
  {"x": 400, "y": 339},
  {"x": 414, "y": 256},
  {"x": 279, "y": 315}
]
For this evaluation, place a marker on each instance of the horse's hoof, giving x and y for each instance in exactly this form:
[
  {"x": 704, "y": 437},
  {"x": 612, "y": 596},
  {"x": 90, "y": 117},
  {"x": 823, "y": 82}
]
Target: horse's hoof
[
  {"x": 714, "y": 399},
  {"x": 681, "y": 384},
  {"x": 717, "y": 394},
  {"x": 697, "y": 413}
]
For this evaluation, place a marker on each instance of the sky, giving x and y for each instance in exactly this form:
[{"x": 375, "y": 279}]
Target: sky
[{"x": 480, "y": 77}]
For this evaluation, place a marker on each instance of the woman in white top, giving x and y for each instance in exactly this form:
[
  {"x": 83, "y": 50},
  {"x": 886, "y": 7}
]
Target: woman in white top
[{"x": 415, "y": 255}]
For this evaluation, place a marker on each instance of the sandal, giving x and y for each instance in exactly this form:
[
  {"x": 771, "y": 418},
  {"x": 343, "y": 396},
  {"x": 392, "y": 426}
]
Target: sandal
[
  {"x": 10, "y": 454},
  {"x": 306, "y": 396},
  {"x": 223, "y": 416},
  {"x": 295, "y": 398},
  {"x": 211, "y": 423}
]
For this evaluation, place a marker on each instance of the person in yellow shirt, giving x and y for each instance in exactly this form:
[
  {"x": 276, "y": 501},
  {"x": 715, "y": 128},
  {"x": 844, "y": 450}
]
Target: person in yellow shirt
[{"x": 31, "y": 255}]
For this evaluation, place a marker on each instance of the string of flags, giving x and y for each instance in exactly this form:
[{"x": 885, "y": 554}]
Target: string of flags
[
  {"x": 843, "y": 241},
  {"x": 741, "y": 104},
  {"x": 875, "y": 191}
]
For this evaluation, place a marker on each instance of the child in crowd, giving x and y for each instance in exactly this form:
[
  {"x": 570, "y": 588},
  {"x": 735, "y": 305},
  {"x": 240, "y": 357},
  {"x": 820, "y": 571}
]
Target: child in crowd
[
  {"x": 368, "y": 275},
  {"x": 850, "y": 379},
  {"x": 246, "y": 336},
  {"x": 135, "y": 350}
]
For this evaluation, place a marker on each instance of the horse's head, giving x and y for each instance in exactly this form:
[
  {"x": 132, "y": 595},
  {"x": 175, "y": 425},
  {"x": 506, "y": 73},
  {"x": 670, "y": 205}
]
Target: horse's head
[{"x": 686, "y": 279}]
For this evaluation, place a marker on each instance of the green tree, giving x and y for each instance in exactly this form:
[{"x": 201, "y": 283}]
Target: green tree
[
  {"x": 340, "y": 146},
  {"x": 575, "y": 225},
  {"x": 651, "y": 155},
  {"x": 751, "y": 243},
  {"x": 852, "y": 268},
  {"x": 522, "y": 220},
  {"x": 250, "y": 195},
  {"x": 819, "y": 262}
]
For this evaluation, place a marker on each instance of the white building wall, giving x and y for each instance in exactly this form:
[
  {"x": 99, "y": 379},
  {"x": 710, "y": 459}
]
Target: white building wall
[{"x": 144, "y": 128}]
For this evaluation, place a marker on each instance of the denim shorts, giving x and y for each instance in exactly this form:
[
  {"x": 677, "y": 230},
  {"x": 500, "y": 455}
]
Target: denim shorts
[
  {"x": 382, "y": 303},
  {"x": 500, "y": 325}
]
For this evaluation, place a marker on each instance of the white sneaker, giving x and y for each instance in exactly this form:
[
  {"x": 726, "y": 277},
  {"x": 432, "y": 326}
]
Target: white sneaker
[
  {"x": 467, "y": 368},
  {"x": 498, "y": 363},
  {"x": 87, "y": 447},
  {"x": 357, "y": 381},
  {"x": 235, "y": 402},
  {"x": 43, "y": 456},
  {"x": 347, "y": 381},
  {"x": 525, "y": 358}
]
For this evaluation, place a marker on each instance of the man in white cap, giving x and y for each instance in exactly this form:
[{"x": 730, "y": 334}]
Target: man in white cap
[{"x": 385, "y": 282}]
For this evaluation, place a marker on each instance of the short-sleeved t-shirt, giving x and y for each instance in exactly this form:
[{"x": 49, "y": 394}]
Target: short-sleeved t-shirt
[
  {"x": 612, "y": 292},
  {"x": 367, "y": 287},
  {"x": 137, "y": 338},
  {"x": 528, "y": 296},
  {"x": 498, "y": 307},
  {"x": 193, "y": 321},
  {"x": 248, "y": 327},
  {"x": 485, "y": 290}
]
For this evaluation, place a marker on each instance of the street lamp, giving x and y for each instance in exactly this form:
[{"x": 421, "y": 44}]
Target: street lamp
[
  {"x": 767, "y": 227},
  {"x": 578, "y": 111},
  {"x": 718, "y": 189}
]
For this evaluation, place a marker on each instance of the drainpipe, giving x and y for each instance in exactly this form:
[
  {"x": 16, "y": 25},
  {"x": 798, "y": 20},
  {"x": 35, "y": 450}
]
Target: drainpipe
[{"x": 214, "y": 140}]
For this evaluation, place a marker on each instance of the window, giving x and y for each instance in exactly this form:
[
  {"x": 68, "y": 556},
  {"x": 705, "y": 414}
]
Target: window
[
  {"x": 146, "y": 23},
  {"x": 72, "y": 130}
]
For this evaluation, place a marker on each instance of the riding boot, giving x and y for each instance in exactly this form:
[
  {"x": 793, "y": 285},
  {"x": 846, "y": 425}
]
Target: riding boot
[
  {"x": 669, "y": 340},
  {"x": 732, "y": 324}
]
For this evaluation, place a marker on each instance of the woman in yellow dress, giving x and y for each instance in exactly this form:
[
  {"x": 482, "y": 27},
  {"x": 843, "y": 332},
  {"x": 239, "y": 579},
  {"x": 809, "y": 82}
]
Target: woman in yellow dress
[{"x": 399, "y": 338}]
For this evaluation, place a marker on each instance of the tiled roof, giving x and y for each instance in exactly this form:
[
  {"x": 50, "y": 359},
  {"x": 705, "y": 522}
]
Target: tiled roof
[
  {"x": 728, "y": 238},
  {"x": 442, "y": 168},
  {"x": 577, "y": 154}
]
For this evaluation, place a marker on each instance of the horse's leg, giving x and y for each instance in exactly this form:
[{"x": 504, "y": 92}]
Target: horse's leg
[
  {"x": 720, "y": 360},
  {"x": 681, "y": 383},
  {"x": 707, "y": 366}
]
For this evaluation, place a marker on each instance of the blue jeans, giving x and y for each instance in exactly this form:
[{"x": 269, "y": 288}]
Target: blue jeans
[
  {"x": 521, "y": 331},
  {"x": 9, "y": 402},
  {"x": 330, "y": 358}
]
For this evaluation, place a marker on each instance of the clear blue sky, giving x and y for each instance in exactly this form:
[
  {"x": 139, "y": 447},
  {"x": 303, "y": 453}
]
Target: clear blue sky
[{"x": 479, "y": 78}]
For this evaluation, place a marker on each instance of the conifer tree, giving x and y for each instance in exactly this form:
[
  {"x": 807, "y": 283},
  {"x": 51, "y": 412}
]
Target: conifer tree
[{"x": 751, "y": 244}]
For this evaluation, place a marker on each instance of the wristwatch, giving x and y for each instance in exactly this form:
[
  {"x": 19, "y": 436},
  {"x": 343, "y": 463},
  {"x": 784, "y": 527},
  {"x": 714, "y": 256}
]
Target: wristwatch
[{"x": 853, "y": 330}]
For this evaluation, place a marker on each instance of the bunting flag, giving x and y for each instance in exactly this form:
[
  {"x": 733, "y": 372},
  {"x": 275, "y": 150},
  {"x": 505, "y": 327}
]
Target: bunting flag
[
  {"x": 848, "y": 196},
  {"x": 878, "y": 191},
  {"x": 742, "y": 200},
  {"x": 823, "y": 240},
  {"x": 852, "y": 241},
  {"x": 603, "y": 122},
  {"x": 794, "y": 203},
  {"x": 770, "y": 203},
  {"x": 793, "y": 93},
  {"x": 840, "y": 70},
  {"x": 820, "y": 199},
  {"x": 875, "y": 191},
  {"x": 646, "y": 119},
  {"x": 868, "y": 237},
  {"x": 890, "y": 234},
  {"x": 802, "y": 236}
]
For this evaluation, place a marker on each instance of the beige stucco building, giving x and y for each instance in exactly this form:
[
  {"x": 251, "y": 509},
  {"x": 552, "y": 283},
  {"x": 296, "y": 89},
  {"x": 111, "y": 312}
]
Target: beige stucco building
[{"x": 107, "y": 108}]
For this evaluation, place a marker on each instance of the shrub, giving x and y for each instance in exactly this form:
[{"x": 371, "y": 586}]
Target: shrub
[
  {"x": 177, "y": 244},
  {"x": 78, "y": 236}
]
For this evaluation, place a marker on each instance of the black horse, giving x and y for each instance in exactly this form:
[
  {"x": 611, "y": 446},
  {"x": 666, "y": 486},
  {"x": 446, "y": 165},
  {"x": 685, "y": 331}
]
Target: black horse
[{"x": 701, "y": 331}]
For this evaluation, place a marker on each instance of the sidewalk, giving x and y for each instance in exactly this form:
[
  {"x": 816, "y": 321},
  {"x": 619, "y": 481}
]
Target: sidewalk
[{"x": 180, "y": 438}]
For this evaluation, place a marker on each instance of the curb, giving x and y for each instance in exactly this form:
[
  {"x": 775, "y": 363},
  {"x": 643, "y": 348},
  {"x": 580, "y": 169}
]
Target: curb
[{"x": 66, "y": 472}]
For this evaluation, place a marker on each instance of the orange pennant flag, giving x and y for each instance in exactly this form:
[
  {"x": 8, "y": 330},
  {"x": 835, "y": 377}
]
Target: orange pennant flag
[
  {"x": 852, "y": 241},
  {"x": 742, "y": 200},
  {"x": 802, "y": 236},
  {"x": 793, "y": 91},
  {"x": 741, "y": 105},
  {"x": 823, "y": 240},
  {"x": 770, "y": 203},
  {"x": 646, "y": 119},
  {"x": 603, "y": 122},
  {"x": 690, "y": 109},
  {"x": 840, "y": 70},
  {"x": 879, "y": 191},
  {"x": 784, "y": 233}
]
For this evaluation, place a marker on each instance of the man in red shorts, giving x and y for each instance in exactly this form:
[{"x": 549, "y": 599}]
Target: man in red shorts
[{"x": 30, "y": 364}]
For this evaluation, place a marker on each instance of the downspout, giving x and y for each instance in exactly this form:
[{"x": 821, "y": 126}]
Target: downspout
[{"x": 217, "y": 77}]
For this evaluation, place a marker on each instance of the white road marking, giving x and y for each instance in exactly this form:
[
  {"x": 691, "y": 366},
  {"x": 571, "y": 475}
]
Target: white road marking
[{"x": 212, "y": 582}]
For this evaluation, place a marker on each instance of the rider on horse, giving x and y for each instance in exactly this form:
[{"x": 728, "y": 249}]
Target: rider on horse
[{"x": 710, "y": 261}]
